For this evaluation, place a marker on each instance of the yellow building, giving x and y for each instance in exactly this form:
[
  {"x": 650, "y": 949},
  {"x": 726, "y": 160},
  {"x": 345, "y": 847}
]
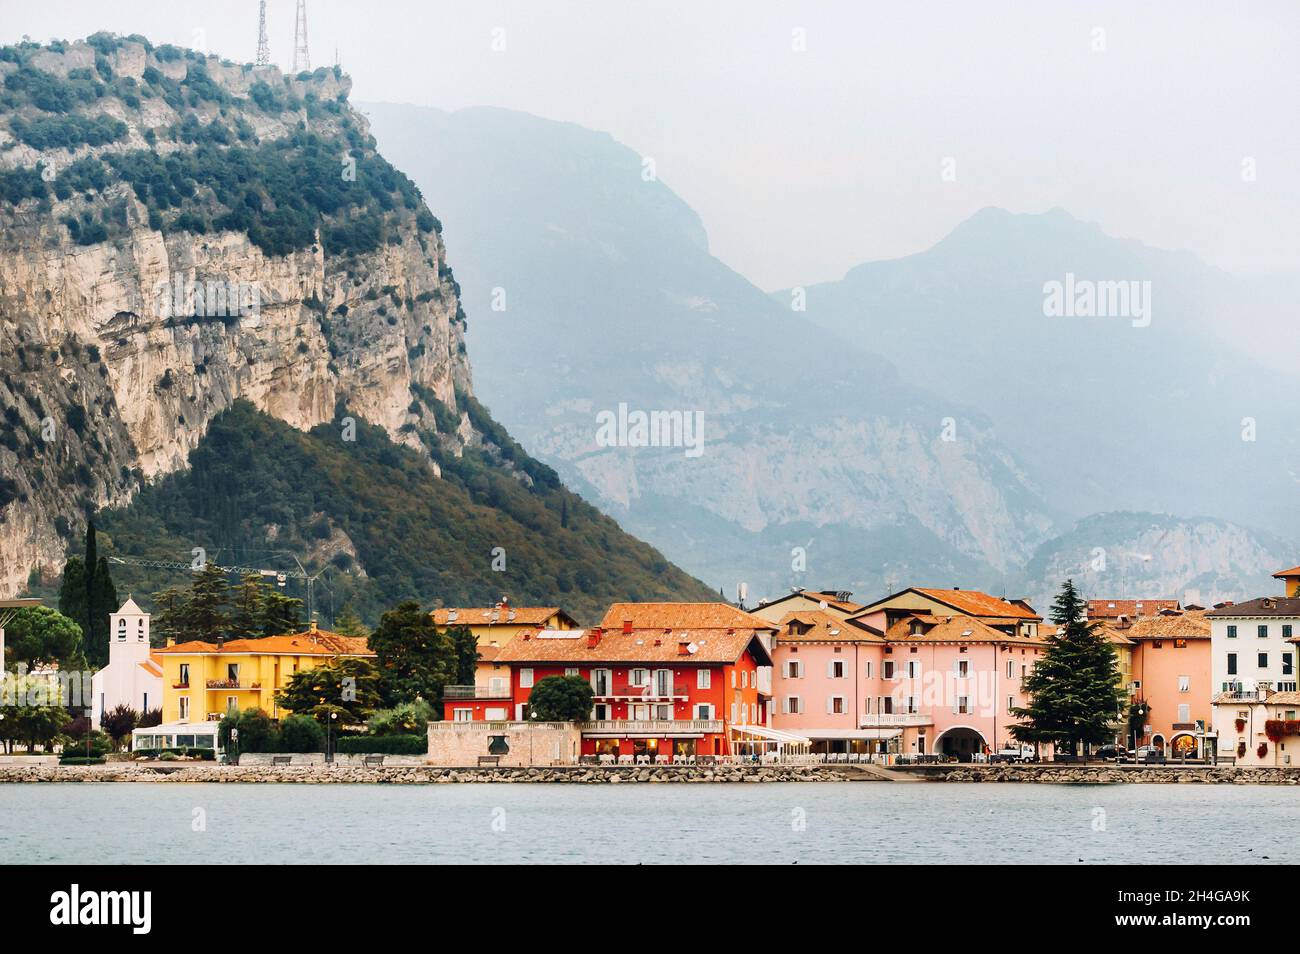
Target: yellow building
[
  {"x": 204, "y": 681},
  {"x": 493, "y": 627}
]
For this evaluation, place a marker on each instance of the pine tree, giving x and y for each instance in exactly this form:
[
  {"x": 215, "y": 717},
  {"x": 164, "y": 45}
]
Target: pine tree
[
  {"x": 249, "y": 608},
  {"x": 280, "y": 613},
  {"x": 72, "y": 592},
  {"x": 204, "y": 616},
  {"x": 465, "y": 648},
  {"x": 169, "y": 617},
  {"x": 1074, "y": 689},
  {"x": 349, "y": 623}
]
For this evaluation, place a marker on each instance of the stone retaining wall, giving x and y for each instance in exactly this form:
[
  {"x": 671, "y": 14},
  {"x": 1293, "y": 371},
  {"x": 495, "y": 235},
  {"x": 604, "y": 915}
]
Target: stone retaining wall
[
  {"x": 208, "y": 772},
  {"x": 1110, "y": 775}
]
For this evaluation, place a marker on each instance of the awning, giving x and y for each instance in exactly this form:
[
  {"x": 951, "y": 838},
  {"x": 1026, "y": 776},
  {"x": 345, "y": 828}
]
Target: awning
[
  {"x": 765, "y": 732},
  {"x": 828, "y": 735}
]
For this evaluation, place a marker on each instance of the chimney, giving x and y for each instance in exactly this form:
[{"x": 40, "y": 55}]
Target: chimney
[
  {"x": 171, "y": 640},
  {"x": 627, "y": 627},
  {"x": 593, "y": 637},
  {"x": 683, "y": 649},
  {"x": 313, "y": 626},
  {"x": 221, "y": 641}
]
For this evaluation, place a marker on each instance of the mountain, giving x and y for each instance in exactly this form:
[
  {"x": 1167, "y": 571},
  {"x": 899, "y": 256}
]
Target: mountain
[
  {"x": 593, "y": 288},
  {"x": 1154, "y": 412},
  {"x": 386, "y": 524},
  {"x": 1151, "y": 555},
  {"x": 183, "y": 238}
]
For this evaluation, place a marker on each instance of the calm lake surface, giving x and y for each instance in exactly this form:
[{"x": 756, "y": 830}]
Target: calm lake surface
[{"x": 873, "y": 823}]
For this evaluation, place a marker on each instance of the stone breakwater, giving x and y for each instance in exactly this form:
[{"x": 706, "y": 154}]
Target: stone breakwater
[
  {"x": 412, "y": 774},
  {"x": 1111, "y": 775}
]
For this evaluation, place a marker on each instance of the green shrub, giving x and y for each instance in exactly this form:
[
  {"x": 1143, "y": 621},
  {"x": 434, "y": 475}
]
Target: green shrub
[
  {"x": 81, "y": 760},
  {"x": 300, "y": 733},
  {"x": 409, "y": 718},
  {"x": 383, "y": 745}
]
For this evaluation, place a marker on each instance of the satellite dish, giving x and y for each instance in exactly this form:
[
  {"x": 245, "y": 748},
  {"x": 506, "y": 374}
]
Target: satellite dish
[
  {"x": 692, "y": 648},
  {"x": 824, "y": 605}
]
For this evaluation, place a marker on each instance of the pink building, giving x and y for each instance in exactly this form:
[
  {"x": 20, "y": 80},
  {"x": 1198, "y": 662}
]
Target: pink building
[{"x": 920, "y": 672}]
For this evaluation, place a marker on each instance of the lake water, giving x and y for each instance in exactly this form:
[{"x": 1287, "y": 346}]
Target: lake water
[{"x": 703, "y": 823}]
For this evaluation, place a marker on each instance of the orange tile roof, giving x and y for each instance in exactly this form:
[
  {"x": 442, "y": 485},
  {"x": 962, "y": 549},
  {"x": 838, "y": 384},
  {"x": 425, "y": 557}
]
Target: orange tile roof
[
  {"x": 652, "y": 645},
  {"x": 1133, "y": 609},
  {"x": 825, "y": 628},
  {"x": 682, "y": 616},
  {"x": 482, "y": 615},
  {"x": 309, "y": 643},
  {"x": 1189, "y": 625},
  {"x": 954, "y": 629},
  {"x": 151, "y": 667},
  {"x": 975, "y": 603},
  {"x": 1116, "y": 637},
  {"x": 829, "y": 597},
  {"x": 1284, "y": 574}
]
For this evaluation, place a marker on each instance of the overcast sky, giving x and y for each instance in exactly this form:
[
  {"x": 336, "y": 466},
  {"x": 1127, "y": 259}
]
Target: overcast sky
[{"x": 803, "y": 163}]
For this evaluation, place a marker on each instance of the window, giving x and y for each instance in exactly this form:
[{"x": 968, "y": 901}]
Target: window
[
  {"x": 1010, "y": 669},
  {"x": 914, "y": 669},
  {"x": 525, "y": 679},
  {"x": 663, "y": 682},
  {"x": 1232, "y": 631},
  {"x": 232, "y": 672},
  {"x": 888, "y": 669},
  {"x": 703, "y": 680},
  {"x": 462, "y": 715},
  {"x": 662, "y": 713},
  {"x": 600, "y": 682},
  {"x": 887, "y": 705},
  {"x": 1184, "y": 683},
  {"x": 638, "y": 677},
  {"x": 1263, "y": 630},
  {"x": 866, "y": 705},
  {"x": 704, "y": 710},
  {"x": 733, "y": 680},
  {"x": 1286, "y": 664},
  {"x": 1263, "y": 660},
  {"x": 963, "y": 668},
  {"x": 866, "y": 669},
  {"x": 570, "y": 671},
  {"x": 793, "y": 705},
  {"x": 1232, "y": 664},
  {"x": 835, "y": 669},
  {"x": 184, "y": 711},
  {"x": 794, "y": 669},
  {"x": 962, "y": 705},
  {"x": 835, "y": 705},
  {"x": 232, "y": 704},
  {"x": 121, "y": 630},
  {"x": 1286, "y": 630},
  {"x": 1184, "y": 713},
  {"x": 185, "y": 674},
  {"x": 1011, "y": 703},
  {"x": 600, "y": 712},
  {"x": 911, "y": 705}
]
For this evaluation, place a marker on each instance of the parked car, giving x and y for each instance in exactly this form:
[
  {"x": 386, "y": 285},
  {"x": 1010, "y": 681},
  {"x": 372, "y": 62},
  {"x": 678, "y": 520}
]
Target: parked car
[
  {"x": 1014, "y": 753},
  {"x": 1149, "y": 755},
  {"x": 1113, "y": 753}
]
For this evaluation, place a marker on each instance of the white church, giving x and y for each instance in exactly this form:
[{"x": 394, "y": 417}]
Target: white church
[{"x": 133, "y": 675}]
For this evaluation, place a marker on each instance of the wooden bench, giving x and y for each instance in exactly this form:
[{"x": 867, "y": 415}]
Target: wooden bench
[
  {"x": 489, "y": 760},
  {"x": 281, "y": 759},
  {"x": 370, "y": 760}
]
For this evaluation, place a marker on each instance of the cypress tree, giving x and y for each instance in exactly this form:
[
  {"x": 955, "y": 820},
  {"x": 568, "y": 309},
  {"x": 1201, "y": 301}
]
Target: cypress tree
[
  {"x": 205, "y": 615},
  {"x": 1074, "y": 689}
]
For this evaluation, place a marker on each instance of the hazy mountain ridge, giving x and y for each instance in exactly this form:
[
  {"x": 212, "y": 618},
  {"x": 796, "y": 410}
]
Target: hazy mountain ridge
[{"x": 627, "y": 307}]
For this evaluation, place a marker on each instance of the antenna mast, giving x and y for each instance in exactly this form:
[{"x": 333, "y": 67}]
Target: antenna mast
[
  {"x": 263, "y": 46},
  {"x": 301, "y": 59}
]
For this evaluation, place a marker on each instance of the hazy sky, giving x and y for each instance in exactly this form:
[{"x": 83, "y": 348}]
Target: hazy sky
[{"x": 805, "y": 163}]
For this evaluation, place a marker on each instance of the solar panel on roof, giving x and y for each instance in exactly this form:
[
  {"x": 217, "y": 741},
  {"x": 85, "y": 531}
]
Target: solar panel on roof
[{"x": 561, "y": 633}]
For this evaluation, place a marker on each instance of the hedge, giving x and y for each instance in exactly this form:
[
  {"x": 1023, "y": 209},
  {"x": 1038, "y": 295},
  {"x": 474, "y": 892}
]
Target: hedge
[
  {"x": 81, "y": 760},
  {"x": 383, "y": 745},
  {"x": 207, "y": 755}
]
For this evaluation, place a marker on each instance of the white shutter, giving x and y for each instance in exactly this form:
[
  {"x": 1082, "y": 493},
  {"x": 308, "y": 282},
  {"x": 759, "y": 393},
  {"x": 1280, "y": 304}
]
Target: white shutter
[
  {"x": 829, "y": 701},
  {"x": 830, "y": 669}
]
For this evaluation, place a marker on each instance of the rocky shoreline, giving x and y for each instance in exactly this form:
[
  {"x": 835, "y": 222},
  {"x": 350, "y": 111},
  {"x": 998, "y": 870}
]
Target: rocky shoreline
[
  {"x": 1113, "y": 775},
  {"x": 411, "y": 774}
]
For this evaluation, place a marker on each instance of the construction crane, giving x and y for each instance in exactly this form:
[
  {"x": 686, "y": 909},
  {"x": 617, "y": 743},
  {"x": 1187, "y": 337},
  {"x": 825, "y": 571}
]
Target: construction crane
[
  {"x": 281, "y": 576},
  {"x": 263, "y": 45},
  {"x": 301, "y": 58}
]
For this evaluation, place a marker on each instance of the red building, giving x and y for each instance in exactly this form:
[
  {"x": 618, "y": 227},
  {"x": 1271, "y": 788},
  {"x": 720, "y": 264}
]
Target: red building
[{"x": 670, "y": 679}]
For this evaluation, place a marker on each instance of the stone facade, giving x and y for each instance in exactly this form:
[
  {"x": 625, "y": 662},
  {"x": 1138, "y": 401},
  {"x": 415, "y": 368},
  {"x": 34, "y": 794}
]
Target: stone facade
[{"x": 529, "y": 743}]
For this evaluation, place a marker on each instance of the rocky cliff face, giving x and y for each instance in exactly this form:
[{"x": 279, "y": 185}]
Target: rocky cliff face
[{"x": 117, "y": 349}]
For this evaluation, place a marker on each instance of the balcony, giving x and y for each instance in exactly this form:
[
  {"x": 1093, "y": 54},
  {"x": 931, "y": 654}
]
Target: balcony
[
  {"x": 893, "y": 720},
  {"x": 475, "y": 692},
  {"x": 651, "y": 727},
  {"x": 232, "y": 684}
]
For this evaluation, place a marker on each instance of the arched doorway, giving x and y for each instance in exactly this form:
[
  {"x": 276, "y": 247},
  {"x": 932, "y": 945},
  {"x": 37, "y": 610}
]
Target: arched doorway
[
  {"x": 1158, "y": 742},
  {"x": 960, "y": 742},
  {"x": 1184, "y": 745}
]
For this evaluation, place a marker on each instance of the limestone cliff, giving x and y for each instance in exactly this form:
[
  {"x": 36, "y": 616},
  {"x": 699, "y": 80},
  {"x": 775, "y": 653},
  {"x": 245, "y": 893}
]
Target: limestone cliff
[{"x": 140, "y": 185}]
